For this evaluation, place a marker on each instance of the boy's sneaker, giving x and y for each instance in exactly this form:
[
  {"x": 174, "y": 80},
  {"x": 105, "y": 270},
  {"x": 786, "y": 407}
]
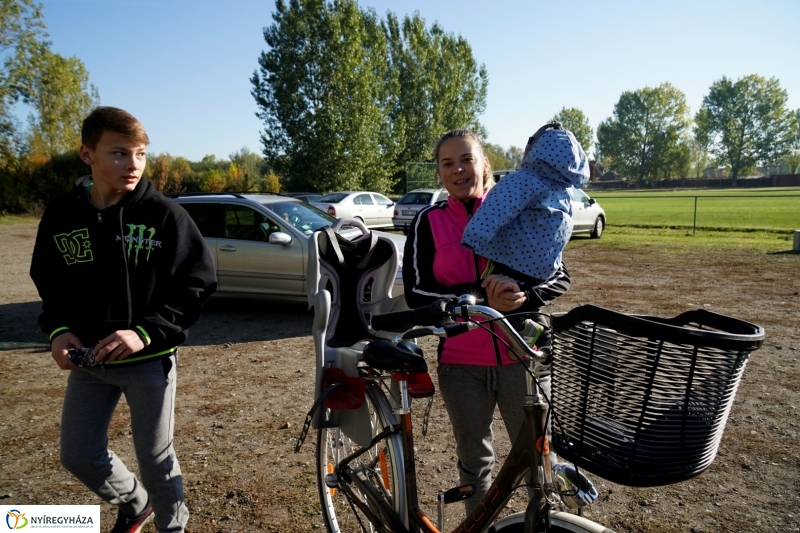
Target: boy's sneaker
[
  {"x": 133, "y": 524},
  {"x": 531, "y": 331}
]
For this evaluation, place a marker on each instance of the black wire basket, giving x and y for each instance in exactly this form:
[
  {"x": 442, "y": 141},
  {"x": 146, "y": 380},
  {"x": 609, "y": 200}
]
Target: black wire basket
[{"x": 643, "y": 401}]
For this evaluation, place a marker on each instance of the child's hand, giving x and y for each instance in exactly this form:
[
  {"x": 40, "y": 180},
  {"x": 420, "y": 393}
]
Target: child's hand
[
  {"x": 498, "y": 283},
  {"x": 503, "y": 293}
]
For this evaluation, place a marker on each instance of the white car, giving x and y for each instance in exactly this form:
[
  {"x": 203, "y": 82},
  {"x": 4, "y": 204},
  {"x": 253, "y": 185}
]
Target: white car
[
  {"x": 373, "y": 209},
  {"x": 412, "y": 202},
  {"x": 587, "y": 215}
]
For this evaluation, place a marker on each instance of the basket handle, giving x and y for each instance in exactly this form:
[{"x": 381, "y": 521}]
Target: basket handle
[{"x": 729, "y": 333}]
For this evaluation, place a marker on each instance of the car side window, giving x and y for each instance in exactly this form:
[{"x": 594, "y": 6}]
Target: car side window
[
  {"x": 579, "y": 196},
  {"x": 363, "y": 199},
  {"x": 245, "y": 224},
  {"x": 207, "y": 218},
  {"x": 381, "y": 200},
  {"x": 443, "y": 195}
]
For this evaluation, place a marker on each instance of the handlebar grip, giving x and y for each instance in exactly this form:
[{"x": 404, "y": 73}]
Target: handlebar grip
[{"x": 430, "y": 315}]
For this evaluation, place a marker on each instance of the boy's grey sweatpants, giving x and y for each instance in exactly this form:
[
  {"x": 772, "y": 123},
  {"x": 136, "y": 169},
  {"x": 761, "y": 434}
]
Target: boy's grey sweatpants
[
  {"x": 89, "y": 403},
  {"x": 470, "y": 394}
]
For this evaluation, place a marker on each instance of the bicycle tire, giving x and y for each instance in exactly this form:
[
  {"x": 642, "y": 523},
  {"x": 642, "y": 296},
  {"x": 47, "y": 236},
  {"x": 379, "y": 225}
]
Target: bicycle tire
[
  {"x": 340, "y": 514},
  {"x": 560, "y": 522}
]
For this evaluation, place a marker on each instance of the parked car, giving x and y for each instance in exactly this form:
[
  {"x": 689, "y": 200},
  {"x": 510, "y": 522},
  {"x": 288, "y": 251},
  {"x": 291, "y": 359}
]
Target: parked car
[
  {"x": 373, "y": 209},
  {"x": 260, "y": 241},
  {"x": 412, "y": 202},
  {"x": 587, "y": 215},
  {"x": 306, "y": 197}
]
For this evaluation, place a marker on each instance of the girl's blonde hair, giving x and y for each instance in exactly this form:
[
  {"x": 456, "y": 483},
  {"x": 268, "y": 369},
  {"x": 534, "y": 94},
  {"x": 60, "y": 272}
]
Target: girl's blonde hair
[{"x": 488, "y": 177}]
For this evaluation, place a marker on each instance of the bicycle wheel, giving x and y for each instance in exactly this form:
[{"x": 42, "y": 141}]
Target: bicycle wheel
[
  {"x": 560, "y": 522},
  {"x": 380, "y": 468}
]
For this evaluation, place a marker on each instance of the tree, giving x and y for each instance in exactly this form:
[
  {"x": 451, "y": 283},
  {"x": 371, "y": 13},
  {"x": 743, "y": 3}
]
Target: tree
[
  {"x": 22, "y": 38},
  {"x": 497, "y": 156},
  {"x": 322, "y": 94},
  {"x": 793, "y": 153},
  {"x": 642, "y": 138},
  {"x": 514, "y": 156},
  {"x": 166, "y": 172},
  {"x": 61, "y": 97},
  {"x": 253, "y": 169},
  {"x": 575, "y": 121},
  {"x": 744, "y": 123},
  {"x": 440, "y": 85}
]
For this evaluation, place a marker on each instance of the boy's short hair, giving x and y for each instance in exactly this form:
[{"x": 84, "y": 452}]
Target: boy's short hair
[{"x": 112, "y": 119}]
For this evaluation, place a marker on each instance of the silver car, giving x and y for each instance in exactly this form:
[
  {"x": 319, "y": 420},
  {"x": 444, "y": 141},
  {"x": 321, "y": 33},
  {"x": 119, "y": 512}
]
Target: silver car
[
  {"x": 371, "y": 208},
  {"x": 260, "y": 242},
  {"x": 412, "y": 202},
  {"x": 587, "y": 215}
]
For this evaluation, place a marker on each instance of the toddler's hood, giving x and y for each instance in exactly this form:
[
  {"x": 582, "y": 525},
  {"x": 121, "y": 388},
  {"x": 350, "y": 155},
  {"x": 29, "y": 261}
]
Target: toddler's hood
[{"x": 558, "y": 156}]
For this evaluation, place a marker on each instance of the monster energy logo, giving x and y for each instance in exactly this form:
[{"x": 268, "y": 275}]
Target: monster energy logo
[
  {"x": 137, "y": 241},
  {"x": 75, "y": 246}
]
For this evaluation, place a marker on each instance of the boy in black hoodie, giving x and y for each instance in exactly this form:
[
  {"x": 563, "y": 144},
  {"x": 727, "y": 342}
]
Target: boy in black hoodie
[{"x": 123, "y": 273}]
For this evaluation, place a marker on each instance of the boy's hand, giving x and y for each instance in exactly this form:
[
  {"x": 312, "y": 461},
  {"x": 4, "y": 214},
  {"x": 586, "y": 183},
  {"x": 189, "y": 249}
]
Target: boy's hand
[
  {"x": 118, "y": 345},
  {"x": 60, "y": 346}
]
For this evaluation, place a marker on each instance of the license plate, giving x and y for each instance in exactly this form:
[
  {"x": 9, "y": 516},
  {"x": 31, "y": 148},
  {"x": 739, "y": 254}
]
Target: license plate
[{"x": 409, "y": 213}]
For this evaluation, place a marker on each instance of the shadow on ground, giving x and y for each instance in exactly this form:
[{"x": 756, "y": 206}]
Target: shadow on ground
[
  {"x": 19, "y": 327},
  {"x": 253, "y": 320}
]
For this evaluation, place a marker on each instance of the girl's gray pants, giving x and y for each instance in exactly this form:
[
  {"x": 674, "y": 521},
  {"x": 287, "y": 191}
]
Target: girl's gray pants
[
  {"x": 470, "y": 394},
  {"x": 89, "y": 403}
]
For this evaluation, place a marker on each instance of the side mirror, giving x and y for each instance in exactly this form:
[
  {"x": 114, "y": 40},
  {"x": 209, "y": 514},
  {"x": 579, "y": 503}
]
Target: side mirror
[
  {"x": 592, "y": 201},
  {"x": 281, "y": 238}
]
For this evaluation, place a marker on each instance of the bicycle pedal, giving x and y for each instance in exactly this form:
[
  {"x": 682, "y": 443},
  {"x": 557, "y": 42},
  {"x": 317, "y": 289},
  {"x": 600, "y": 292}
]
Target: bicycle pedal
[{"x": 458, "y": 494}]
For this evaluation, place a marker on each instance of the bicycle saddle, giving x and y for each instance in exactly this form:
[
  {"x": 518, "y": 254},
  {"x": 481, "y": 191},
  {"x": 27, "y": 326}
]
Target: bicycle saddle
[{"x": 405, "y": 357}]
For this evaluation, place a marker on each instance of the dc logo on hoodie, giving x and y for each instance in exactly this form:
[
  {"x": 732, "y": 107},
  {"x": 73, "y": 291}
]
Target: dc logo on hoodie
[{"x": 75, "y": 246}]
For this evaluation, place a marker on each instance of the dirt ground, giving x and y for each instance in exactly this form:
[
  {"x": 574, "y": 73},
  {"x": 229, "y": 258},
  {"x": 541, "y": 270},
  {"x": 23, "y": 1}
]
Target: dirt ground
[{"x": 246, "y": 377}]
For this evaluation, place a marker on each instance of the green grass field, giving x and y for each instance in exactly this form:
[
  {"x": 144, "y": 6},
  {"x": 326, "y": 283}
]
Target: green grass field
[
  {"x": 676, "y": 240},
  {"x": 773, "y": 210}
]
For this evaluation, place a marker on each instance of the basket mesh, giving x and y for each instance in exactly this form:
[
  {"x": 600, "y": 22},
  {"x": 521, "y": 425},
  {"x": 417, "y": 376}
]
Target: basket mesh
[{"x": 640, "y": 411}]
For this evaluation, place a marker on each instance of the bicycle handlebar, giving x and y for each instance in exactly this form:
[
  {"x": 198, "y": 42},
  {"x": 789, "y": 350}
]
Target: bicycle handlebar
[
  {"x": 441, "y": 313},
  {"x": 430, "y": 315}
]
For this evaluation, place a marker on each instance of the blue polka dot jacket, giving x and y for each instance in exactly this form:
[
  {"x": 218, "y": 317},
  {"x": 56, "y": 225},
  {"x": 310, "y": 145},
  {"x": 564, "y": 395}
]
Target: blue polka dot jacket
[{"x": 526, "y": 219}]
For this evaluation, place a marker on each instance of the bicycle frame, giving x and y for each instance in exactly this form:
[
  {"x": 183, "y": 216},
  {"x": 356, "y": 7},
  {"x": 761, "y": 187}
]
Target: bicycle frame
[
  {"x": 526, "y": 455},
  {"x": 511, "y": 475}
]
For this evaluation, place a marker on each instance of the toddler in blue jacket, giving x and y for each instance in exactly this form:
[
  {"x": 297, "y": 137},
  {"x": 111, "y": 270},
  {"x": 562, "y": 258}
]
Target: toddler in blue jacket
[{"x": 525, "y": 221}]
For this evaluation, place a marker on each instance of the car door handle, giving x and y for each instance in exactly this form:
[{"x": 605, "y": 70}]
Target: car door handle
[{"x": 226, "y": 248}]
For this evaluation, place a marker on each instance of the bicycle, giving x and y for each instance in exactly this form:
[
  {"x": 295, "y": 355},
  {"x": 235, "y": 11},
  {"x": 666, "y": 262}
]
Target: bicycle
[{"x": 365, "y": 454}]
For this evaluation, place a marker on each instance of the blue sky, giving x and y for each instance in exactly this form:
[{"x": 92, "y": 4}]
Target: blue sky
[{"x": 183, "y": 66}]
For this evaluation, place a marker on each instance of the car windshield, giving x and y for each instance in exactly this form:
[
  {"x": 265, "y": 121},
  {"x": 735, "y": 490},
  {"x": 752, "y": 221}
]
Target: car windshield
[
  {"x": 304, "y": 217},
  {"x": 333, "y": 198},
  {"x": 416, "y": 198}
]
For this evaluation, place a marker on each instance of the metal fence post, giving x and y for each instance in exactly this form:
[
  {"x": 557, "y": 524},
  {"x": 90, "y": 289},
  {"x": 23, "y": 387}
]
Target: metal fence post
[
  {"x": 694, "y": 224},
  {"x": 796, "y": 244}
]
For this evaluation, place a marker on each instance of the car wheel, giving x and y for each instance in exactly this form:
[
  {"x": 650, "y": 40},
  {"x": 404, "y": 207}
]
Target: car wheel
[{"x": 599, "y": 226}]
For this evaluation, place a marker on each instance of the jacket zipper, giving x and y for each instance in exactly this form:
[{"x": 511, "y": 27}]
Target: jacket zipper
[{"x": 99, "y": 216}]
